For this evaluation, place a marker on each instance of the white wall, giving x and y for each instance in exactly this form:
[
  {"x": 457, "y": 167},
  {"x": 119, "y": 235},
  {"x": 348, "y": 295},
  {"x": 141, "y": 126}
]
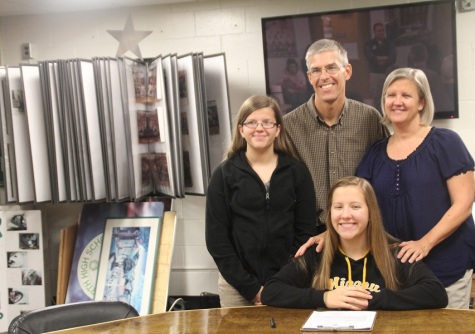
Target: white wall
[{"x": 230, "y": 26}]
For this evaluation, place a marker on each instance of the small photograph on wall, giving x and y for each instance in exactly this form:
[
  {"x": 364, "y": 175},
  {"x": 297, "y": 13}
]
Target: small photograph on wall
[
  {"x": 148, "y": 129},
  {"x": 127, "y": 264},
  {"x": 17, "y": 223},
  {"x": 18, "y": 296},
  {"x": 160, "y": 170},
  {"x": 17, "y": 259},
  {"x": 31, "y": 277},
  {"x": 18, "y": 102},
  {"x": 139, "y": 73},
  {"x": 145, "y": 159},
  {"x": 213, "y": 118},
  {"x": 182, "y": 88},
  {"x": 153, "y": 92},
  {"x": 29, "y": 240}
]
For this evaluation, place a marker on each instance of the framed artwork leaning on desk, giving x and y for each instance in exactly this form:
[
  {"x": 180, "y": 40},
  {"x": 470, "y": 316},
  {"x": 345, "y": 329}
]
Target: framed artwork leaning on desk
[
  {"x": 127, "y": 261},
  {"x": 87, "y": 249}
]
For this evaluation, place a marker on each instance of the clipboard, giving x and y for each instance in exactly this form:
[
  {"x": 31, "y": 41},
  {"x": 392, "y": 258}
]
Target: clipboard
[{"x": 339, "y": 321}]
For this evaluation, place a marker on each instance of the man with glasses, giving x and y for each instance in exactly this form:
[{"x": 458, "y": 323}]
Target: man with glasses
[{"x": 331, "y": 132}]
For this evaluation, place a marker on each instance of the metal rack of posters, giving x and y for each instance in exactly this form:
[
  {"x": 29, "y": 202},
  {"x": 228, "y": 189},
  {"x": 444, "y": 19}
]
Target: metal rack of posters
[{"x": 112, "y": 129}]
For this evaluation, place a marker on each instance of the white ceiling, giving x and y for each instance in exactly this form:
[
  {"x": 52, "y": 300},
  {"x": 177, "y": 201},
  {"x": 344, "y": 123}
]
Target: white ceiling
[{"x": 31, "y": 7}]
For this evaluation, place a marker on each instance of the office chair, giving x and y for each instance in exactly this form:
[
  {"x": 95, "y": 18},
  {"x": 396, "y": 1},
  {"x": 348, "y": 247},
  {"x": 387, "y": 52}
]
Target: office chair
[{"x": 64, "y": 316}]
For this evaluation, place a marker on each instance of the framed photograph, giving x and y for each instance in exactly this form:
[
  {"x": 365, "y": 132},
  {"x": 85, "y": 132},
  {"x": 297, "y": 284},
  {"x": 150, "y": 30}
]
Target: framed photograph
[
  {"x": 87, "y": 249},
  {"x": 378, "y": 40},
  {"x": 127, "y": 262}
]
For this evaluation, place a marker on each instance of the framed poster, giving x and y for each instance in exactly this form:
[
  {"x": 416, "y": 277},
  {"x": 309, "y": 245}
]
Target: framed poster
[
  {"x": 127, "y": 262},
  {"x": 87, "y": 250},
  {"x": 378, "y": 39}
]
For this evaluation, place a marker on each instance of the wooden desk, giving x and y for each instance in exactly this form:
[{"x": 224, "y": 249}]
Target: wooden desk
[{"x": 256, "y": 320}]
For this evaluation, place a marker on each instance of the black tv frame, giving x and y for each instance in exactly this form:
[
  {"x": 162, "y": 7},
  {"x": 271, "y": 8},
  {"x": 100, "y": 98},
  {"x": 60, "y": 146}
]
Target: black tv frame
[{"x": 432, "y": 23}]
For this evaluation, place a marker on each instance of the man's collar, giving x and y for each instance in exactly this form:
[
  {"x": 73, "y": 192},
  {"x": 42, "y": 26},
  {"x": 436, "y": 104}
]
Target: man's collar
[{"x": 343, "y": 112}]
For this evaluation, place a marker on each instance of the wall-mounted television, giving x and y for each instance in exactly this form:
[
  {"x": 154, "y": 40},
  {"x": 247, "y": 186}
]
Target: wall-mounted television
[{"x": 378, "y": 40}]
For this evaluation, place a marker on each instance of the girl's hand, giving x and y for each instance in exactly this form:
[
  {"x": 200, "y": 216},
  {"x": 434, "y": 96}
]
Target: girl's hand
[{"x": 347, "y": 297}]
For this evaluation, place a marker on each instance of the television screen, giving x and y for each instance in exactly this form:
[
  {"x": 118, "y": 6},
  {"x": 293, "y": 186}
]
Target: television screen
[{"x": 378, "y": 40}]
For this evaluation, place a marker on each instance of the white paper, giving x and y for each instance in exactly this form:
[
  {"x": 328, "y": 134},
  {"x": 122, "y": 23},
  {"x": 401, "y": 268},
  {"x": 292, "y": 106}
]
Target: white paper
[{"x": 339, "y": 320}]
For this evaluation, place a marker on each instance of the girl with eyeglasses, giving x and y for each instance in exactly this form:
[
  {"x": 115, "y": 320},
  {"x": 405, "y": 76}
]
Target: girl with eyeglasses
[{"x": 260, "y": 204}]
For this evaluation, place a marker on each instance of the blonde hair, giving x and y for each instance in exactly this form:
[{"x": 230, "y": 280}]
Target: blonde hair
[
  {"x": 381, "y": 244},
  {"x": 419, "y": 78},
  {"x": 251, "y": 104}
]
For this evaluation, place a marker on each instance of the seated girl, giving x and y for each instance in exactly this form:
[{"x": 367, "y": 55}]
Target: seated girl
[{"x": 358, "y": 268}]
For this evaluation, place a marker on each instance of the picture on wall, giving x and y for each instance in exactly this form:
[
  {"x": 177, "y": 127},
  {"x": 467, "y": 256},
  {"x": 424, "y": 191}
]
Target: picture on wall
[
  {"x": 127, "y": 263},
  {"x": 377, "y": 39},
  {"x": 147, "y": 121},
  {"x": 22, "y": 267}
]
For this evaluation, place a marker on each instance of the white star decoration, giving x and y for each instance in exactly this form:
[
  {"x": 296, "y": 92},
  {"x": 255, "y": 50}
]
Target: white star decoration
[{"x": 129, "y": 38}]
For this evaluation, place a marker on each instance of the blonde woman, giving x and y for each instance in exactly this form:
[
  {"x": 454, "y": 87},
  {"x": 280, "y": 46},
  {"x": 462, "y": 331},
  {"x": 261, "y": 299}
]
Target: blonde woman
[{"x": 423, "y": 178}]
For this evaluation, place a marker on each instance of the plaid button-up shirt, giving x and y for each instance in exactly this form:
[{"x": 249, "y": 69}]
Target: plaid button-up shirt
[{"x": 332, "y": 152}]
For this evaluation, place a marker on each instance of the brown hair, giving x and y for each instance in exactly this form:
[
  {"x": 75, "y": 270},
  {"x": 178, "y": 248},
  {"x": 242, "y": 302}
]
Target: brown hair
[{"x": 251, "y": 104}]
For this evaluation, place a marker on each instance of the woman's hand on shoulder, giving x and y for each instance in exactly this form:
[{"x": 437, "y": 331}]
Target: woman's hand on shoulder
[
  {"x": 319, "y": 240},
  {"x": 347, "y": 297},
  {"x": 412, "y": 251}
]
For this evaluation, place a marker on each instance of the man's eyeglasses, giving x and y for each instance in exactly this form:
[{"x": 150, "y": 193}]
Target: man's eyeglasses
[
  {"x": 331, "y": 69},
  {"x": 265, "y": 124}
]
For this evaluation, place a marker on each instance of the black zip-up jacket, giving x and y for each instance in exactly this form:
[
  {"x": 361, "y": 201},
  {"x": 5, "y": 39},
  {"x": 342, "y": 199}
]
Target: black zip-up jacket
[{"x": 252, "y": 233}]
